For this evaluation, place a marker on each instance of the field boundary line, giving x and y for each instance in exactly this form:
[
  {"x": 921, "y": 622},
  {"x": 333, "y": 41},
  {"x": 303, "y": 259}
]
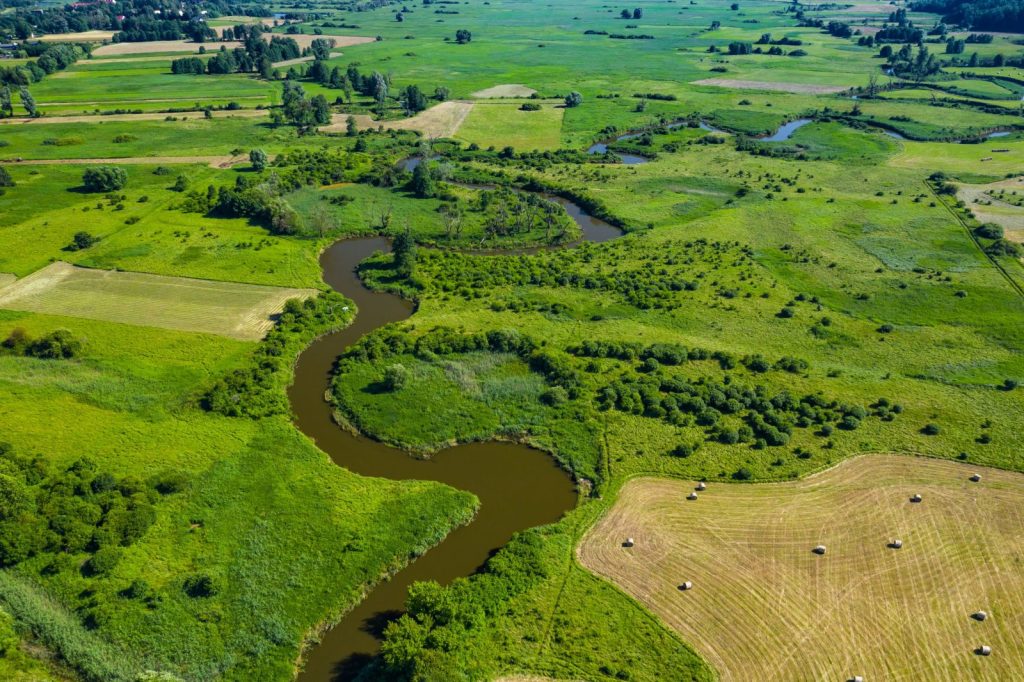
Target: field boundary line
[{"x": 970, "y": 233}]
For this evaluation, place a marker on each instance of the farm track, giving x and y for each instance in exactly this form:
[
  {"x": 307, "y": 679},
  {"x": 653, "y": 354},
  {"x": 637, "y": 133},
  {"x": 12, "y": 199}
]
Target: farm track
[
  {"x": 151, "y": 116},
  {"x": 213, "y": 161},
  {"x": 764, "y": 607}
]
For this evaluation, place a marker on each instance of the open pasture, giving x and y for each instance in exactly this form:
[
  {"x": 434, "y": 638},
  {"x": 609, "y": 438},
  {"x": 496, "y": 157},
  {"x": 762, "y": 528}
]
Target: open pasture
[
  {"x": 241, "y": 311},
  {"x": 503, "y": 123},
  {"x": 764, "y": 606}
]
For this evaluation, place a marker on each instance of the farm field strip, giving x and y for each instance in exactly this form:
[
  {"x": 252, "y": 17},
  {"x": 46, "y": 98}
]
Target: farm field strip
[
  {"x": 225, "y": 161},
  {"x": 764, "y": 606},
  {"x": 442, "y": 120},
  {"x": 241, "y": 311}
]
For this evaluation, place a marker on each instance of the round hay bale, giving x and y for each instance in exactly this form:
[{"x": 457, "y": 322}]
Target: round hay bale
[
  {"x": 979, "y": 615},
  {"x": 895, "y": 544},
  {"x": 684, "y": 586},
  {"x": 915, "y": 498},
  {"x": 856, "y": 678},
  {"x": 975, "y": 478},
  {"x": 702, "y": 486},
  {"x": 628, "y": 543},
  {"x": 983, "y": 650},
  {"x": 692, "y": 496},
  {"x": 820, "y": 549}
]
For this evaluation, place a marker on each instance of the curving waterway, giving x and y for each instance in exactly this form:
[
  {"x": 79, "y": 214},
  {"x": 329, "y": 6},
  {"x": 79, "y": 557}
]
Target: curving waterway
[{"x": 518, "y": 487}]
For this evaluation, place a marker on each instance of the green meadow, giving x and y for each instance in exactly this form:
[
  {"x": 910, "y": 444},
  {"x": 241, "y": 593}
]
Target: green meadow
[{"x": 771, "y": 309}]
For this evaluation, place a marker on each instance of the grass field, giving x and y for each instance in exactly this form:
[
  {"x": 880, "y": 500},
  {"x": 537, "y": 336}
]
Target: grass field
[
  {"x": 764, "y": 606},
  {"x": 524, "y": 130},
  {"x": 241, "y": 311}
]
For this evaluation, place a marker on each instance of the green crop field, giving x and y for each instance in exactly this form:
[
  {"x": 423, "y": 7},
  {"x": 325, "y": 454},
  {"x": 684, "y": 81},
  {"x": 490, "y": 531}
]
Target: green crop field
[{"x": 777, "y": 248}]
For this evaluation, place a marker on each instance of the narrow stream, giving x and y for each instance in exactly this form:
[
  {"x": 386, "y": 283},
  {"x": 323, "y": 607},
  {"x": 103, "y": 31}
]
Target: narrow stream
[{"x": 518, "y": 487}]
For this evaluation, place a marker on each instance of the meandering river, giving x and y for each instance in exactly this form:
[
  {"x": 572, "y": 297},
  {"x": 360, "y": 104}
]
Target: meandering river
[{"x": 518, "y": 487}]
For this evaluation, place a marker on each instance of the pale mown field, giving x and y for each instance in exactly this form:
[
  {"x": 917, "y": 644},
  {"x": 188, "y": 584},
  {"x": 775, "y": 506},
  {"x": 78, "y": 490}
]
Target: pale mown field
[
  {"x": 441, "y": 120},
  {"x": 241, "y": 311},
  {"x": 988, "y": 206},
  {"x": 764, "y": 606}
]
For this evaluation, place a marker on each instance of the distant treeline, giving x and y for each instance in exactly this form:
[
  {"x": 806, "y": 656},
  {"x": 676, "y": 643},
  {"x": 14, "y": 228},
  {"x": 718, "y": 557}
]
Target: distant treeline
[{"x": 986, "y": 15}]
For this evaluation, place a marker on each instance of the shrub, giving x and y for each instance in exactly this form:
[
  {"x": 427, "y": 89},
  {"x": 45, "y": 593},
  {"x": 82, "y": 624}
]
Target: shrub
[
  {"x": 103, "y": 561},
  {"x": 395, "y": 378},
  {"x": 930, "y": 429},
  {"x": 529, "y": 106},
  {"x": 5, "y": 178},
  {"x": 82, "y": 240},
  {"x": 200, "y": 586},
  {"x": 989, "y": 231},
  {"x": 104, "y": 178},
  {"x": 573, "y": 99},
  {"x": 742, "y": 474}
]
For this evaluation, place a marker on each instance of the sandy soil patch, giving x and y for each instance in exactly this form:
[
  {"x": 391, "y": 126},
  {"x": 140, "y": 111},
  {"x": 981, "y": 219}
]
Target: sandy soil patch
[
  {"x": 212, "y": 161},
  {"x": 992, "y": 209},
  {"x": 241, "y": 311},
  {"x": 442, "y": 120},
  {"x": 80, "y": 37},
  {"x": 6, "y": 278},
  {"x": 507, "y": 90},
  {"x": 151, "y": 116},
  {"x": 763, "y": 606},
  {"x": 800, "y": 88}
]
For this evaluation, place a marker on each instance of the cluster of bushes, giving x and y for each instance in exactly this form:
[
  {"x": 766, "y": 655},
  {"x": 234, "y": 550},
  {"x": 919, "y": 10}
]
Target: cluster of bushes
[
  {"x": 659, "y": 281},
  {"x": 671, "y": 354},
  {"x": 104, "y": 178},
  {"x": 261, "y": 198},
  {"x": 57, "y": 345},
  {"x": 143, "y": 29},
  {"x": 430, "y": 640},
  {"x": 73, "y": 511},
  {"x": 257, "y": 390},
  {"x": 51, "y": 58},
  {"x": 730, "y": 413}
]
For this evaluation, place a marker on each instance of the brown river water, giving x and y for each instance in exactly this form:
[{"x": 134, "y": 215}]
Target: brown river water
[{"x": 518, "y": 487}]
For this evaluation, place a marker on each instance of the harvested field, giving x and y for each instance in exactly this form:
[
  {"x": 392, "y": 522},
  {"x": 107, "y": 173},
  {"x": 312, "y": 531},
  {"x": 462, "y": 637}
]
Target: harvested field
[
  {"x": 154, "y": 116},
  {"x": 300, "y": 60},
  {"x": 80, "y": 37},
  {"x": 507, "y": 90},
  {"x": 6, "y": 278},
  {"x": 994, "y": 210},
  {"x": 305, "y": 40},
  {"x": 241, "y": 311},
  {"x": 442, "y": 120},
  {"x": 799, "y": 88},
  {"x": 764, "y": 606},
  {"x": 152, "y": 46},
  {"x": 212, "y": 161}
]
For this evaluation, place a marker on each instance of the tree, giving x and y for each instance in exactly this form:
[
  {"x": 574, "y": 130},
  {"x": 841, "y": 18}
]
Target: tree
[
  {"x": 422, "y": 184},
  {"x": 321, "y": 110},
  {"x": 413, "y": 100},
  {"x": 5, "y": 178},
  {"x": 989, "y": 231},
  {"x": 258, "y": 159},
  {"x": 462, "y": 36},
  {"x": 404, "y": 252},
  {"x": 625, "y": 14},
  {"x": 28, "y": 101},
  {"x": 82, "y": 240},
  {"x": 441, "y": 94},
  {"x": 104, "y": 178},
  {"x": 573, "y": 99},
  {"x": 321, "y": 48},
  {"x": 638, "y": 13},
  {"x": 350, "y": 126},
  {"x": 6, "y": 106}
]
